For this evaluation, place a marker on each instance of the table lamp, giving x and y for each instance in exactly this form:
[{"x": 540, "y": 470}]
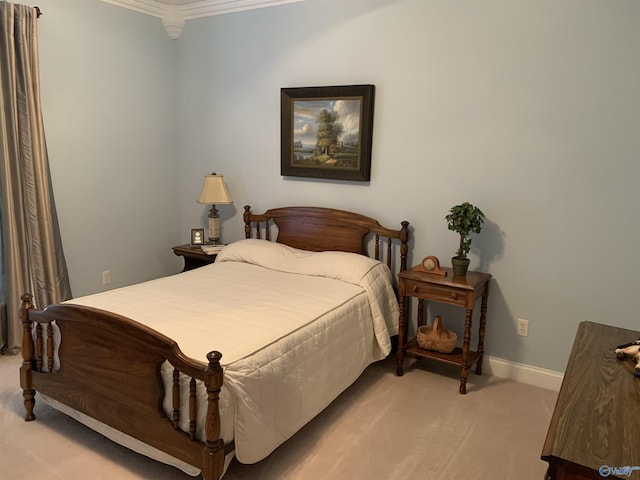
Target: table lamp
[{"x": 214, "y": 191}]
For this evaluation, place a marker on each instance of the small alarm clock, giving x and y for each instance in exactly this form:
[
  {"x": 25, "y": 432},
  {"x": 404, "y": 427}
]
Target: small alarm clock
[{"x": 430, "y": 265}]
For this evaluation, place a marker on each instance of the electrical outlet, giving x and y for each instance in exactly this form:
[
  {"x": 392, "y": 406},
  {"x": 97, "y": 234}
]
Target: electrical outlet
[
  {"x": 106, "y": 277},
  {"x": 523, "y": 327}
]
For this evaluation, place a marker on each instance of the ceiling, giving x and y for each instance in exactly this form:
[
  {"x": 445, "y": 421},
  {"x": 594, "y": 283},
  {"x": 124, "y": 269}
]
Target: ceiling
[
  {"x": 177, "y": 2},
  {"x": 174, "y": 13}
]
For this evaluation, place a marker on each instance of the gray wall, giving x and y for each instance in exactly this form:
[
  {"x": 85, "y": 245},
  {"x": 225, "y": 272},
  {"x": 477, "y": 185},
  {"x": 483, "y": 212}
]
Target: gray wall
[
  {"x": 526, "y": 108},
  {"x": 109, "y": 100}
]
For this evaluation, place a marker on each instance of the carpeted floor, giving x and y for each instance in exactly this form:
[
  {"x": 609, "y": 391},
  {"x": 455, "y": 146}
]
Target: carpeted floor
[{"x": 383, "y": 427}]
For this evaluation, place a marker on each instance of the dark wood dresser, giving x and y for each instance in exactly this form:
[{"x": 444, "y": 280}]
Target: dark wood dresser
[{"x": 595, "y": 428}]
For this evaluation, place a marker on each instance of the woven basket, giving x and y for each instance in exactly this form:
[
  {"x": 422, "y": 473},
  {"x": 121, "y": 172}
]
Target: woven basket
[{"x": 437, "y": 337}]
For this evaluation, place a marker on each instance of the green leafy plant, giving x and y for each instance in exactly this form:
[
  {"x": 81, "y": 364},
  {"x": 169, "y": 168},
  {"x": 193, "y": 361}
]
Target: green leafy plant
[{"x": 465, "y": 219}]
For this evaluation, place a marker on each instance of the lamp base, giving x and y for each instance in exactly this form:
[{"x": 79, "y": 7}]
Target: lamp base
[{"x": 214, "y": 226}]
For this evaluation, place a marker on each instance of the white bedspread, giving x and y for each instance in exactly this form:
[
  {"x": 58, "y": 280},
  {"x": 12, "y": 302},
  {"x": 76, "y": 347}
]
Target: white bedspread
[{"x": 295, "y": 329}]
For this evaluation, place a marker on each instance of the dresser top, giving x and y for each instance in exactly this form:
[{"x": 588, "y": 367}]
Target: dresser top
[{"x": 596, "y": 421}]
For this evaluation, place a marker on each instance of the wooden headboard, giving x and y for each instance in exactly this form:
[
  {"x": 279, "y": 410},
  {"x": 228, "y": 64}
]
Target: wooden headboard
[{"x": 319, "y": 229}]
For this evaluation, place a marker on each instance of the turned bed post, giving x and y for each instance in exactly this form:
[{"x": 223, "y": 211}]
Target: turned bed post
[
  {"x": 247, "y": 221},
  {"x": 26, "y": 380},
  {"x": 213, "y": 452},
  {"x": 404, "y": 247}
]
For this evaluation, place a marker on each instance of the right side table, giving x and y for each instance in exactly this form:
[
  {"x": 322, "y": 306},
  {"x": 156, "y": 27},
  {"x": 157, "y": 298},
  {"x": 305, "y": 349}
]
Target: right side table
[{"x": 459, "y": 291}]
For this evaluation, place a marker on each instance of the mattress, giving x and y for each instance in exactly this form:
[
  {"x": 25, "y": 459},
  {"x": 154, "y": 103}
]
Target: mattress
[{"x": 295, "y": 328}]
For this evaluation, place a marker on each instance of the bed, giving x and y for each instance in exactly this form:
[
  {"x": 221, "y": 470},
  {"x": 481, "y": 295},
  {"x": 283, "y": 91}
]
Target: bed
[{"x": 231, "y": 358}]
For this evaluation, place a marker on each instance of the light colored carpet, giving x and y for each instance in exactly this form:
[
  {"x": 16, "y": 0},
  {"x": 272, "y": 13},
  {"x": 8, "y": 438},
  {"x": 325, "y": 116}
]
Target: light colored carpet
[{"x": 383, "y": 427}]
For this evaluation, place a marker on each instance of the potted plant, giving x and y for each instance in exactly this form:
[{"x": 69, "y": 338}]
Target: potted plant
[{"x": 464, "y": 219}]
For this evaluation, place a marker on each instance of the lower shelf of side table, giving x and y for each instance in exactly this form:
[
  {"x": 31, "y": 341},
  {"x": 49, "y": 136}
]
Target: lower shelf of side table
[{"x": 454, "y": 358}]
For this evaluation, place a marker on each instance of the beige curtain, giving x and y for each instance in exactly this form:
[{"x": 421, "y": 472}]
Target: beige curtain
[{"x": 32, "y": 256}]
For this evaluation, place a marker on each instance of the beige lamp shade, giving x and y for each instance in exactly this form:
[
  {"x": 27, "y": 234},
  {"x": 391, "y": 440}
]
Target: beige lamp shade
[{"x": 214, "y": 190}]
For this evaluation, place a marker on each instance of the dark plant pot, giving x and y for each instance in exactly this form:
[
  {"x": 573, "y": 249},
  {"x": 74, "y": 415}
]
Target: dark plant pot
[{"x": 460, "y": 267}]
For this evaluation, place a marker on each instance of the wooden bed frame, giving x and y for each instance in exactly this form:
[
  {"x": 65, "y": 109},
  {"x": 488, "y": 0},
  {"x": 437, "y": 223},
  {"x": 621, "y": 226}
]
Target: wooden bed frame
[{"x": 110, "y": 365}]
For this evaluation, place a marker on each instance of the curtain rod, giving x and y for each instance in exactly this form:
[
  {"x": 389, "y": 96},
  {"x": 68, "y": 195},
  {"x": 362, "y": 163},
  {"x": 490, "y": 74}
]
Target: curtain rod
[{"x": 38, "y": 12}]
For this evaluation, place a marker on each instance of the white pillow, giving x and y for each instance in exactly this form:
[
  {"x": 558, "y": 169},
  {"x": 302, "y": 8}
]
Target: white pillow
[{"x": 348, "y": 267}]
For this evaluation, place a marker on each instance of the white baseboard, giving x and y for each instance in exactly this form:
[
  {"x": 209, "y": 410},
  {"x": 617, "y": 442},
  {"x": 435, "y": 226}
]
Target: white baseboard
[{"x": 539, "y": 377}]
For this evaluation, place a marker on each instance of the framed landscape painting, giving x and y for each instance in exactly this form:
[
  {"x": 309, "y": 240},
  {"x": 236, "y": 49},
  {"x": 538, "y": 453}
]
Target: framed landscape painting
[{"x": 327, "y": 131}]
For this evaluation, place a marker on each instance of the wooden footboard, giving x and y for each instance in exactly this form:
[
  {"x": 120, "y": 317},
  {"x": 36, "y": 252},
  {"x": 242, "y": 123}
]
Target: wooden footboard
[{"x": 110, "y": 370}]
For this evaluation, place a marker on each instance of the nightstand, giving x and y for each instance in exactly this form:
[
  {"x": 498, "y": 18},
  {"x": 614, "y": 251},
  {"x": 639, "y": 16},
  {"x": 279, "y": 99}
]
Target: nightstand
[
  {"x": 459, "y": 291},
  {"x": 194, "y": 257}
]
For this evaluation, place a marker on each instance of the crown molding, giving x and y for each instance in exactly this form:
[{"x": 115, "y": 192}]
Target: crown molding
[{"x": 174, "y": 16}]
